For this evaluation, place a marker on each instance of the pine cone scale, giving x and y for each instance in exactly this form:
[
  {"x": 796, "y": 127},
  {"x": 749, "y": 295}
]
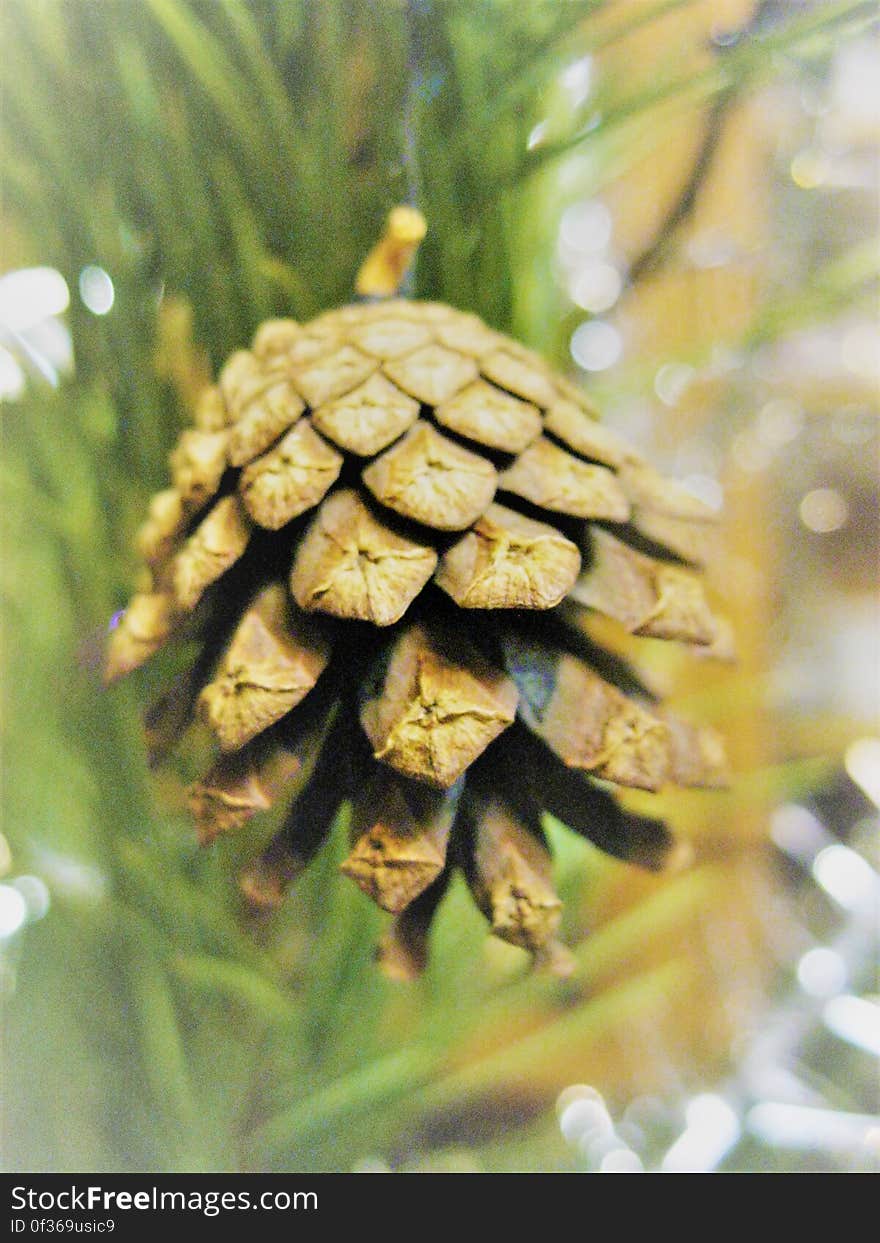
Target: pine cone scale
[{"x": 349, "y": 468}]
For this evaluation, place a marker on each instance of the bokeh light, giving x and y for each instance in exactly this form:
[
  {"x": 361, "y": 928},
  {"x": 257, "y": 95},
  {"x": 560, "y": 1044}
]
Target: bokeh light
[
  {"x": 13, "y": 911},
  {"x": 30, "y": 295},
  {"x": 671, "y": 382},
  {"x": 823, "y": 510},
  {"x": 12, "y": 378},
  {"x": 862, "y": 760},
  {"x": 822, "y": 972},
  {"x": 779, "y": 421},
  {"x": 596, "y": 286},
  {"x": 36, "y": 896},
  {"x": 855, "y": 1020},
  {"x": 595, "y": 345},
  {"x": 586, "y": 227},
  {"x": 96, "y": 289},
  {"x": 809, "y": 169},
  {"x": 847, "y": 877}
]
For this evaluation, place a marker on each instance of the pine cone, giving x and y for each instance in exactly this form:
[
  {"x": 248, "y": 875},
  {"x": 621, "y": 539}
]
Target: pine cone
[{"x": 372, "y": 619}]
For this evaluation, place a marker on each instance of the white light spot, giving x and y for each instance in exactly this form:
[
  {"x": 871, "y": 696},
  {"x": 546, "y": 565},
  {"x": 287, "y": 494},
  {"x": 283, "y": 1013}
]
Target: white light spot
[
  {"x": 50, "y": 349},
  {"x": 96, "y": 289},
  {"x": 577, "y": 79},
  {"x": 798, "y": 832},
  {"x": 596, "y": 287},
  {"x": 13, "y": 911},
  {"x": 12, "y": 379},
  {"x": 854, "y": 1020},
  {"x": 823, "y": 510},
  {"x": 821, "y": 972},
  {"x": 712, "y": 1130},
  {"x": 846, "y": 877},
  {"x": 809, "y": 168},
  {"x": 537, "y": 136},
  {"x": 806, "y": 1128},
  {"x": 862, "y": 762},
  {"x": 671, "y": 381},
  {"x": 596, "y": 345},
  {"x": 30, "y": 295},
  {"x": 575, "y": 1092},
  {"x": 621, "y": 1161},
  {"x": 35, "y": 894},
  {"x": 586, "y": 227},
  {"x": 779, "y": 422},
  {"x": 706, "y": 489},
  {"x": 585, "y": 1120},
  {"x": 595, "y": 1145}
]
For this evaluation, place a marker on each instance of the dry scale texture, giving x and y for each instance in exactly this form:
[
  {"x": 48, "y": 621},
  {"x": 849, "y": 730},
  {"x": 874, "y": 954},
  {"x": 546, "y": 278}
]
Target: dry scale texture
[{"x": 361, "y": 530}]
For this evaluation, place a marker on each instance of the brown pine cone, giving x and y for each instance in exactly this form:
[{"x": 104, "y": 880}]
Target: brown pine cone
[{"x": 389, "y": 528}]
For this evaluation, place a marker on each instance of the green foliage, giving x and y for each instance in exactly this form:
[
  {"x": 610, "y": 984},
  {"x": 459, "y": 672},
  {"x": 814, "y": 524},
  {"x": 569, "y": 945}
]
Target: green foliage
[{"x": 243, "y": 155}]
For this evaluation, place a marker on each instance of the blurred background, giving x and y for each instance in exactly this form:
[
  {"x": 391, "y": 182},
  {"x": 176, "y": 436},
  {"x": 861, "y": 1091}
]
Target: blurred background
[{"x": 675, "y": 201}]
